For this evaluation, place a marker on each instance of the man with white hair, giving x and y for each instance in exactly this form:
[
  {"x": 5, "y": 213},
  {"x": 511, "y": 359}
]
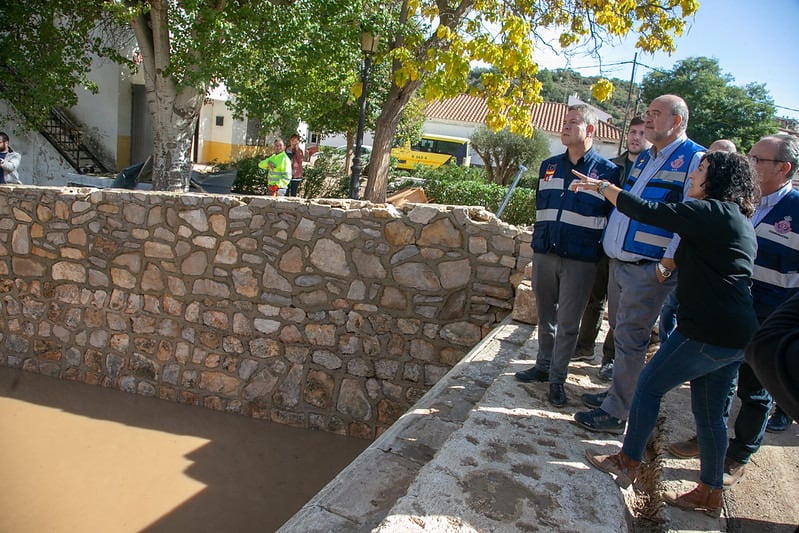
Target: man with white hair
[{"x": 641, "y": 258}]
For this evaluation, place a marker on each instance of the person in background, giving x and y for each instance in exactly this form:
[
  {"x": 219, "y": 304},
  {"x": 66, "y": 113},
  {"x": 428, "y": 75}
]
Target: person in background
[
  {"x": 278, "y": 165},
  {"x": 9, "y": 161},
  {"x": 297, "y": 157},
  {"x": 591, "y": 321},
  {"x": 641, "y": 258},
  {"x": 716, "y": 320},
  {"x": 566, "y": 247}
]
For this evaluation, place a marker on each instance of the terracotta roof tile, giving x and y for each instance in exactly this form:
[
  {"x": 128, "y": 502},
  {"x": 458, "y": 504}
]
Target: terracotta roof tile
[{"x": 547, "y": 116}]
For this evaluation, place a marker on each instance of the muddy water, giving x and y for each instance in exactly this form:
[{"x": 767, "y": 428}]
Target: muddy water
[{"x": 79, "y": 458}]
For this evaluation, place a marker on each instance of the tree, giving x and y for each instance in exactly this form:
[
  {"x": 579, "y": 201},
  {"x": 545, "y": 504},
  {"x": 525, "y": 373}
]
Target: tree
[
  {"x": 438, "y": 40},
  {"x": 719, "y": 110},
  {"x": 504, "y": 151}
]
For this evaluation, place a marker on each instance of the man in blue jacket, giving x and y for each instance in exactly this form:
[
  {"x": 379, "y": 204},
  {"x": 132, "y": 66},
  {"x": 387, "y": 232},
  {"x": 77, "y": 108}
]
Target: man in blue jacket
[{"x": 566, "y": 248}]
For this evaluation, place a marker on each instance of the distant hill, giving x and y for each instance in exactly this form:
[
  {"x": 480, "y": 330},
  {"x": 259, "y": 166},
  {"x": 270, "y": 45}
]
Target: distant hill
[{"x": 559, "y": 84}]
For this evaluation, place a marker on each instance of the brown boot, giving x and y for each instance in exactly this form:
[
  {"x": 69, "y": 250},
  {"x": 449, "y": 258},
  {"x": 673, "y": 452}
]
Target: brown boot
[
  {"x": 685, "y": 449},
  {"x": 619, "y": 465},
  {"x": 733, "y": 471},
  {"x": 702, "y": 498}
]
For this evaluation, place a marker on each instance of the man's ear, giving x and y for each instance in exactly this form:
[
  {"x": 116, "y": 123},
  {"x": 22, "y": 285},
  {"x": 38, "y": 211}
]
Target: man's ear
[{"x": 589, "y": 130}]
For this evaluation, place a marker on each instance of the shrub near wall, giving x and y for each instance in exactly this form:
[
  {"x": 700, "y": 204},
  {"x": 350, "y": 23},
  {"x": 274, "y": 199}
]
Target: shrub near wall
[{"x": 333, "y": 315}]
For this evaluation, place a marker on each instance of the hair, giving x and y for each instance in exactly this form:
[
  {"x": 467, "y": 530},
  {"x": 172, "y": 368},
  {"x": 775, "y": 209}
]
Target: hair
[
  {"x": 636, "y": 121},
  {"x": 4, "y": 137},
  {"x": 294, "y": 136},
  {"x": 731, "y": 178},
  {"x": 678, "y": 108},
  {"x": 788, "y": 150},
  {"x": 588, "y": 114}
]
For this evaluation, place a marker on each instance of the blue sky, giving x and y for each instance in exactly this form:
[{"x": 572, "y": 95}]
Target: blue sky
[{"x": 753, "y": 42}]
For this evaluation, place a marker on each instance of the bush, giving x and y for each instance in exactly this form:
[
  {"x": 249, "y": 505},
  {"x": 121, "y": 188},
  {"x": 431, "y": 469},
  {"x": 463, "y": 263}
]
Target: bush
[
  {"x": 453, "y": 185},
  {"x": 249, "y": 179}
]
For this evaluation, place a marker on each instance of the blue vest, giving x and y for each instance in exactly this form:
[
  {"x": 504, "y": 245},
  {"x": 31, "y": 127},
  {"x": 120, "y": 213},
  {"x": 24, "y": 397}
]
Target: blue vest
[
  {"x": 570, "y": 224},
  {"x": 666, "y": 185},
  {"x": 776, "y": 274}
]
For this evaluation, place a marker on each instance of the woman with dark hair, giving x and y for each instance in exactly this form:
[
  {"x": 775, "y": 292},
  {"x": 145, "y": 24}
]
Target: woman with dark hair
[{"x": 715, "y": 320}]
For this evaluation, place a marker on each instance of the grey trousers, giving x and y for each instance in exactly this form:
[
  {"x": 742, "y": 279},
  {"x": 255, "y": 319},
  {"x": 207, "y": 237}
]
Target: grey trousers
[
  {"x": 634, "y": 301},
  {"x": 561, "y": 287}
]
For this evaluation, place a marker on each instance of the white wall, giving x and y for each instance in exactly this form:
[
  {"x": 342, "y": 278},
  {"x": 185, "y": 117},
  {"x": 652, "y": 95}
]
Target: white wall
[{"x": 41, "y": 163}]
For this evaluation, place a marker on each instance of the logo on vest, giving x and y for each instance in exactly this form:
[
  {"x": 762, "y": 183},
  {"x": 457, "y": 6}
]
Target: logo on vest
[
  {"x": 550, "y": 172},
  {"x": 783, "y": 226},
  {"x": 677, "y": 163}
]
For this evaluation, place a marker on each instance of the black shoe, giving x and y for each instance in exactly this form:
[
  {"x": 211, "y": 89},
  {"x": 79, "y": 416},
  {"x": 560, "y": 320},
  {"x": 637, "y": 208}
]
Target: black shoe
[
  {"x": 599, "y": 420},
  {"x": 557, "y": 395},
  {"x": 606, "y": 372},
  {"x": 778, "y": 422},
  {"x": 587, "y": 357},
  {"x": 532, "y": 374},
  {"x": 593, "y": 401}
]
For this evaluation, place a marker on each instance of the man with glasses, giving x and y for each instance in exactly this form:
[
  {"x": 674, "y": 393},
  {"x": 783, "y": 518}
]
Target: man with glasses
[
  {"x": 9, "y": 161},
  {"x": 775, "y": 279},
  {"x": 641, "y": 258}
]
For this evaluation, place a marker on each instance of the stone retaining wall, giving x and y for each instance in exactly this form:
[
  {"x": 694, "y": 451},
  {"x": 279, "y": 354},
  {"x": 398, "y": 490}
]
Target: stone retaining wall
[{"x": 327, "y": 314}]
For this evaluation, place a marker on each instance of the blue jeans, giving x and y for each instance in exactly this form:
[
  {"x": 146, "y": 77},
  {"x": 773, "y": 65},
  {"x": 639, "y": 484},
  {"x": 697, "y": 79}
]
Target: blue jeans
[
  {"x": 668, "y": 316},
  {"x": 750, "y": 424},
  {"x": 711, "y": 370}
]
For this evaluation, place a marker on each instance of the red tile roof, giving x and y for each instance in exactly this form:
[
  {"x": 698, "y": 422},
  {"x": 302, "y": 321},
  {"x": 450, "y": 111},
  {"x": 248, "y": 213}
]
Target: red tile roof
[{"x": 547, "y": 116}]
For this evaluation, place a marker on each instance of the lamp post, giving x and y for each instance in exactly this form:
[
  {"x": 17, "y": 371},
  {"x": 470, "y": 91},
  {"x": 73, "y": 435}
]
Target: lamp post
[{"x": 368, "y": 47}]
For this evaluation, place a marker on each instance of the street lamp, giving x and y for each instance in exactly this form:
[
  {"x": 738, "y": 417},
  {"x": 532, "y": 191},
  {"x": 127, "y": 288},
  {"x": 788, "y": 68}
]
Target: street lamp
[{"x": 368, "y": 47}]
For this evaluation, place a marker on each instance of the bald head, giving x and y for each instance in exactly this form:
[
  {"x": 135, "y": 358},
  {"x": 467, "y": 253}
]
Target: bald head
[
  {"x": 665, "y": 120},
  {"x": 722, "y": 145}
]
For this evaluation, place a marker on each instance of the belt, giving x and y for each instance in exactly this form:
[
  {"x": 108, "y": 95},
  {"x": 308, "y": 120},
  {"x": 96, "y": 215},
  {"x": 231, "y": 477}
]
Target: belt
[{"x": 639, "y": 262}]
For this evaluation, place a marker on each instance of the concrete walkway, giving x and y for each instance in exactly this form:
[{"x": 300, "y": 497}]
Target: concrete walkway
[{"x": 482, "y": 452}]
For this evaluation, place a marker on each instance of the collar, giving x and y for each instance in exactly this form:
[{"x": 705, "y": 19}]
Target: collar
[
  {"x": 772, "y": 199},
  {"x": 589, "y": 154},
  {"x": 669, "y": 149}
]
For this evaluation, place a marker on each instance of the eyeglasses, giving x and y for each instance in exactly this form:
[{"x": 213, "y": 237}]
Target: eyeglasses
[{"x": 754, "y": 159}]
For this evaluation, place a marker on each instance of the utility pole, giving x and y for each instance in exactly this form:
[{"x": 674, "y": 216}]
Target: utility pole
[{"x": 627, "y": 107}]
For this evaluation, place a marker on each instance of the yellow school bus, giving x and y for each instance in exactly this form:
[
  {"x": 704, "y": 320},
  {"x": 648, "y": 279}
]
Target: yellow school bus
[{"x": 434, "y": 151}]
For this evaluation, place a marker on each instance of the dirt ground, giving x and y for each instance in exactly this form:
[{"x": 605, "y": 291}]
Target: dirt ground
[{"x": 74, "y": 457}]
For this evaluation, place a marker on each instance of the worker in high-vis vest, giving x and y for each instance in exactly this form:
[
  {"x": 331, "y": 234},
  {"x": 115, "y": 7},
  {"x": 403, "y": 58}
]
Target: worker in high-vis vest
[{"x": 279, "y": 167}]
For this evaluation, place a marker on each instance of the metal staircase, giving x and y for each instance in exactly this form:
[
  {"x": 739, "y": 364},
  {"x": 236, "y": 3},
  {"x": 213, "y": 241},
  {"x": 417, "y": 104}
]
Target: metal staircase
[
  {"x": 59, "y": 130},
  {"x": 67, "y": 139}
]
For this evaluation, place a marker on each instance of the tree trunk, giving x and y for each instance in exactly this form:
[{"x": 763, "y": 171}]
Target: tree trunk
[
  {"x": 385, "y": 128},
  {"x": 174, "y": 112}
]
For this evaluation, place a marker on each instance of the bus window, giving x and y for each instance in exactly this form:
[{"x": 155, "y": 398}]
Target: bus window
[{"x": 433, "y": 151}]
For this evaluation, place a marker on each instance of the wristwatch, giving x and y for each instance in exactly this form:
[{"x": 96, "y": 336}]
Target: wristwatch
[
  {"x": 602, "y": 187},
  {"x": 665, "y": 272}
]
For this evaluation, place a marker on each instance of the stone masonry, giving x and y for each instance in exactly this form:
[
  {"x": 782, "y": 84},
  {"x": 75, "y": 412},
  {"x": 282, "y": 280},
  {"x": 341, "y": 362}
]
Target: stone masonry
[{"x": 328, "y": 314}]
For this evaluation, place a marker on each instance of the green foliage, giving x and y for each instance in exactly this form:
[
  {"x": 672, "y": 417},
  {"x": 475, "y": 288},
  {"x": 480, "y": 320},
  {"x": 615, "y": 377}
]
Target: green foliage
[
  {"x": 453, "y": 185},
  {"x": 326, "y": 179},
  {"x": 249, "y": 179},
  {"x": 503, "y": 152},
  {"x": 719, "y": 110}
]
